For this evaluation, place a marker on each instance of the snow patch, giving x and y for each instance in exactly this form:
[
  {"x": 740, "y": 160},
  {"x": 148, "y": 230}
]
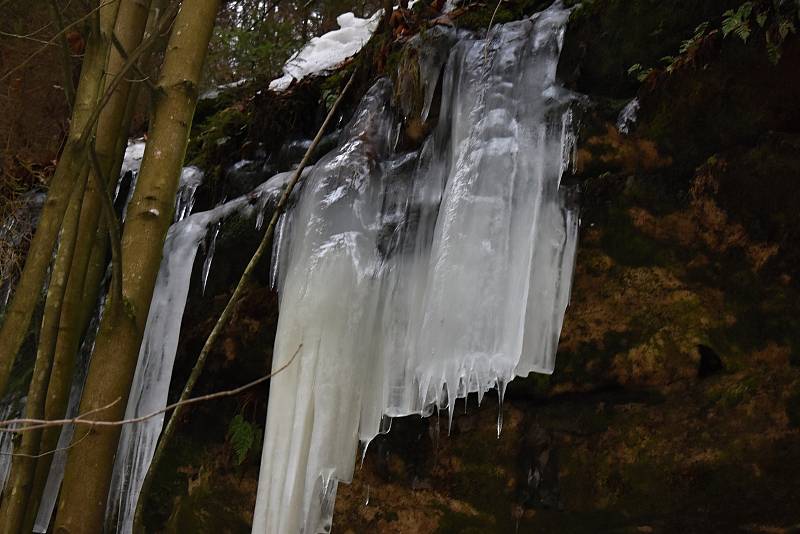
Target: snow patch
[{"x": 328, "y": 51}]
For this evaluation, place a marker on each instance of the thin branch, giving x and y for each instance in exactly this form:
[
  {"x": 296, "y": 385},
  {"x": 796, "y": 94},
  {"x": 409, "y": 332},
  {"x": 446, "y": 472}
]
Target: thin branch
[
  {"x": 107, "y": 205},
  {"x": 34, "y": 424},
  {"x": 144, "y": 77},
  {"x": 489, "y": 30},
  {"x": 53, "y": 39},
  {"x": 48, "y": 453},
  {"x": 41, "y": 423},
  {"x": 26, "y": 38}
]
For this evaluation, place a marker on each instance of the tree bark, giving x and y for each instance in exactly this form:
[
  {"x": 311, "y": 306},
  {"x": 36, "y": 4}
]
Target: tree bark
[
  {"x": 20, "y": 480},
  {"x": 18, "y": 316},
  {"x": 84, "y": 492}
]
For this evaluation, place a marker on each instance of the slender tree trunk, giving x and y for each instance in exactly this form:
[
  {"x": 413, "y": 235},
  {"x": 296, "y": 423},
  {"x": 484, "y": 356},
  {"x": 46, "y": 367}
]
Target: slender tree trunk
[
  {"x": 18, "y": 316},
  {"x": 84, "y": 284},
  {"x": 18, "y": 486},
  {"x": 84, "y": 492}
]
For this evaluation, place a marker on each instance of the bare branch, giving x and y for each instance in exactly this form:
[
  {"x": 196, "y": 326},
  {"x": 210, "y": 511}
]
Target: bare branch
[
  {"x": 53, "y": 39},
  {"x": 122, "y": 52},
  {"x": 48, "y": 453},
  {"x": 33, "y": 424},
  {"x": 112, "y": 224}
]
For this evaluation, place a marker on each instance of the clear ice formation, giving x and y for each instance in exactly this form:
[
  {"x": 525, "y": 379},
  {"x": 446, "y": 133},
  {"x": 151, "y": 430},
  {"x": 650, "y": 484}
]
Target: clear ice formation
[
  {"x": 408, "y": 280},
  {"x": 157, "y": 353},
  {"x": 191, "y": 178}
]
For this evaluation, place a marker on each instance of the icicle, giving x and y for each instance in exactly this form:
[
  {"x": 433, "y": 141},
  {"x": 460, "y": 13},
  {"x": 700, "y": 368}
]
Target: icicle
[
  {"x": 131, "y": 163},
  {"x": 278, "y": 246},
  {"x": 157, "y": 354},
  {"x": 410, "y": 280},
  {"x": 501, "y": 392},
  {"x": 191, "y": 179},
  {"x": 211, "y": 248},
  {"x": 433, "y": 52}
]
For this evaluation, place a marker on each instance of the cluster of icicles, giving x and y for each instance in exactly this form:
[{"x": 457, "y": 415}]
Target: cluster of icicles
[{"x": 406, "y": 279}]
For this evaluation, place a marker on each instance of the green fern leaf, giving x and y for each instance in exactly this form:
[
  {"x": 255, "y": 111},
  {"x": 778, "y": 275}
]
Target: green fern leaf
[
  {"x": 242, "y": 436},
  {"x": 743, "y": 31}
]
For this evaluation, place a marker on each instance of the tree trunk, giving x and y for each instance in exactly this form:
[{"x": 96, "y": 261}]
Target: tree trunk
[
  {"x": 18, "y": 486},
  {"x": 18, "y": 316},
  {"x": 84, "y": 492},
  {"x": 84, "y": 284}
]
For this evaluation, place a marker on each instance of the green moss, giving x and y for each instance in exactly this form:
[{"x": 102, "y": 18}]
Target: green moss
[
  {"x": 172, "y": 479},
  {"x": 217, "y": 134},
  {"x": 765, "y": 313},
  {"x": 729, "y": 396},
  {"x": 483, "y": 486}
]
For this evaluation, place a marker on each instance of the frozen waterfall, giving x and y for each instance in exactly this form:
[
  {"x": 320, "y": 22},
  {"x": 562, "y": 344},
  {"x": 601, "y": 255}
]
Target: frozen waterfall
[{"x": 408, "y": 280}]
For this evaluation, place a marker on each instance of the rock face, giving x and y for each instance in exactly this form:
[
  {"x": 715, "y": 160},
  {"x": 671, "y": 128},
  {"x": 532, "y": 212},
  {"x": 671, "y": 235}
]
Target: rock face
[{"x": 675, "y": 403}]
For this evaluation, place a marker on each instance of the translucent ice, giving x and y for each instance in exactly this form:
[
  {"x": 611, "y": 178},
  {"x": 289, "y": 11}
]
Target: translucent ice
[
  {"x": 409, "y": 280},
  {"x": 191, "y": 179}
]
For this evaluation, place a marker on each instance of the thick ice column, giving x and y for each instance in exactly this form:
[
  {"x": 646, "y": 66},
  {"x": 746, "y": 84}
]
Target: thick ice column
[
  {"x": 412, "y": 279},
  {"x": 312, "y": 432}
]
